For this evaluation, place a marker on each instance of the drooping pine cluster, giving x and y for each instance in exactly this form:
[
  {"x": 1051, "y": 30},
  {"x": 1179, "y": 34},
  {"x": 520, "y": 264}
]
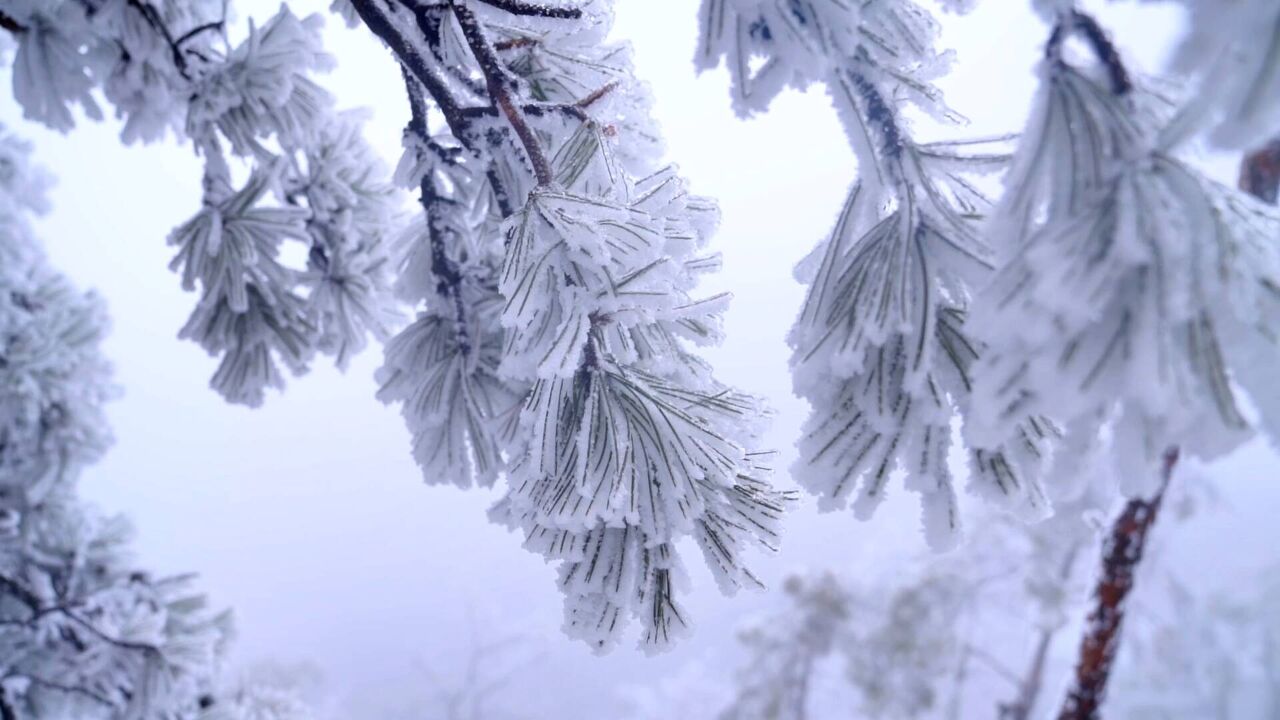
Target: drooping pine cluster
[
  {"x": 1112, "y": 295},
  {"x": 881, "y": 347},
  {"x": 1136, "y": 298},
  {"x": 169, "y": 66},
  {"x": 556, "y": 264}
]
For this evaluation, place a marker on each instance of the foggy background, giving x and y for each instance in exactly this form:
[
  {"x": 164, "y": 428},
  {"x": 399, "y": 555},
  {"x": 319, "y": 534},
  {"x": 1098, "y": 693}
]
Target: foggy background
[{"x": 309, "y": 517}]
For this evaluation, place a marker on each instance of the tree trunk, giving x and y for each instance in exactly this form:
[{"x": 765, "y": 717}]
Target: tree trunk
[{"x": 1121, "y": 554}]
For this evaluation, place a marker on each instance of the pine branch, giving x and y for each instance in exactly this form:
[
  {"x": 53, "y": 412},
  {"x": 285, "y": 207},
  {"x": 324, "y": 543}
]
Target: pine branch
[
  {"x": 1121, "y": 554},
  {"x": 516, "y": 43},
  {"x": 501, "y": 90},
  {"x": 880, "y": 116},
  {"x": 184, "y": 37},
  {"x": 153, "y": 18},
  {"x": 375, "y": 17}
]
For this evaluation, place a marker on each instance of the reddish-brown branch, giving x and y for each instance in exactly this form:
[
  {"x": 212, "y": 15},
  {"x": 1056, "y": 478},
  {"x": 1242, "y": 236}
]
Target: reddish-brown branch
[
  {"x": 515, "y": 43},
  {"x": 1121, "y": 554},
  {"x": 1260, "y": 172}
]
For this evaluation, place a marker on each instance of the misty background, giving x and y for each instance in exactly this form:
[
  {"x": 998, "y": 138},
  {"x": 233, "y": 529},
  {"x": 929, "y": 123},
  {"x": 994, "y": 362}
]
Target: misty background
[{"x": 308, "y": 516}]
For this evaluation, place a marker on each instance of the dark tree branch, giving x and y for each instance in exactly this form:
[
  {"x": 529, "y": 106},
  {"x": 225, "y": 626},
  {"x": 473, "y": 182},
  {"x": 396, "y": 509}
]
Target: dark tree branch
[
  {"x": 186, "y": 36},
  {"x": 879, "y": 115},
  {"x": 502, "y": 89},
  {"x": 7, "y": 711},
  {"x": 13, "y": 26},
  {"x": 430, "y": 17},
  {"x": 22, "y": 593},
  {"x": 96, "y": 631},
  {"x": 377, "y": 19},
  {"x": 534, "y": 9},
  {"x": 1260, "y": 172},
  {"x": 157, "y": 23},
  {"x": 1121, "y": 554},
  {"x": 375, "y": 16},
  {"x": 446, "y": 271},
  {"x": 1083, "y": 25}
]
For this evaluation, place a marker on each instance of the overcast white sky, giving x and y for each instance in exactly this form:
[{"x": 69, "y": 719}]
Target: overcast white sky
[{"x": 309, "y": 517}]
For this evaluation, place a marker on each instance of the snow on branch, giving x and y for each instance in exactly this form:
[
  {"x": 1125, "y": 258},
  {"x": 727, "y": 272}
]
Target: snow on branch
[
  {"x": 1137, "y": 294},
  {"x": 84, "y": 633},
  {"x": 557, "y": 263},
  {"x": 882, "y": 350}
]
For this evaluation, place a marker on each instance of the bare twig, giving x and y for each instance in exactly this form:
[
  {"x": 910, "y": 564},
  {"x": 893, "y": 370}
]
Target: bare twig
[
  {"x": 577, "y": 110},
  {"x": 1121, "y": 554},
  {"x": 515, "y": 43},
  {"x": 19, "y": 590},
  {"x": 184, "y": 37},
  {"x": 157, "y": 23},
  {"x": 1033, "y": 681},
  {"x": 994, "y": 664}
]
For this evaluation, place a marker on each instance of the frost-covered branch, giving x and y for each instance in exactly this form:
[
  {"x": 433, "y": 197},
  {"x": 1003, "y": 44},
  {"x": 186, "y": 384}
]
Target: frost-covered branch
[
  {"x": 500, "y": 84},
  {"x": 882, "y": 350},
  {"x": 253, "y": 105},
  {"x": 83, "y": 632},
  {"x": 1121, "y": 554},
  {"x": 1136, "y": 295}
]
